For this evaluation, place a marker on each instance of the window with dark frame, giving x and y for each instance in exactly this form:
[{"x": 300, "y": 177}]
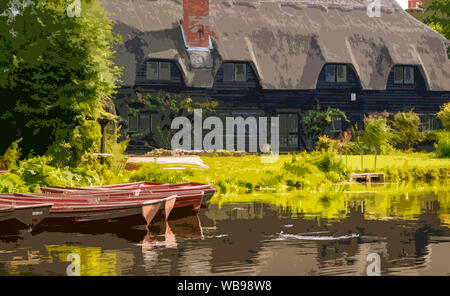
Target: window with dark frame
[
  {"x": 336, "y": 73},
  {"x": 144, "y": 123},
  {"x": 132, "y": 123},
  {"x": 228, "y": 72},
  {"x": 240, "y": 72},
  {"x": 158, "y": 70},
  {"x": 341, "y": 73},
  {"x": 330, "y": 73},
  {"x": 408, "y": 75},
  {"x": 234, "y": 72},
  {"x": 164, "y": 71},
  {"x": 152, "y": 70},
  {"x": 288, "y": 135}
]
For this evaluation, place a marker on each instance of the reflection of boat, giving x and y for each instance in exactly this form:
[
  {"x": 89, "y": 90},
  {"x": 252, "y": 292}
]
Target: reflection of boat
[
  {"x": 139, "y": 188},
  {"x": 171, "y": 232},
  {"x": 79, "y": 209},
  {"x": 29, "y": 213}
]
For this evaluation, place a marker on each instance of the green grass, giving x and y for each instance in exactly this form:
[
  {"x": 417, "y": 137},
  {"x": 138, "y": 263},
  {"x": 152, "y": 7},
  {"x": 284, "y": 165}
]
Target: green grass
[
  {"x": 411, "y": 172},
  {"x": 404, "y": 160},
  {"x": 250, "y": 168}
]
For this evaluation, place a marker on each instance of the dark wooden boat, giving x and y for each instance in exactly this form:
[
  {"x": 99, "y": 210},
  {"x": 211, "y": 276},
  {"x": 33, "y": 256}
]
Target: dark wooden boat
[
  {"x": 29, "y": 213},
  {"x": 140, "y": 188}
]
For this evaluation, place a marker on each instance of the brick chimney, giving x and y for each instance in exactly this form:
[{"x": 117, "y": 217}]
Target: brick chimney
[
  {"x": 195, "y": 22},
  {"x": 196, "y": 32},
  {"x": 414, "y": 4}
]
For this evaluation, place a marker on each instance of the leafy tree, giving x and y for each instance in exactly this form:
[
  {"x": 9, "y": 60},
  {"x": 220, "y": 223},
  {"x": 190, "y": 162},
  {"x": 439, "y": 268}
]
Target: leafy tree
[
  {"x": 405, "y": 129},
  {"x": 359, "y": 146},
  {"x": 316, "y": 121},
  {"x": 376, "y": 134},
  {"x": 55, "y": 68},
  {"x": 439, "y": 19},
  {"x": 444, "y": 116},
  {"x": 435, "y": 15}
]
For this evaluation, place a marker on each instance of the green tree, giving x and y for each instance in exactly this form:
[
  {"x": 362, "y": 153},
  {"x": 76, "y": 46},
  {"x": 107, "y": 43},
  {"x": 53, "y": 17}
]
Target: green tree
[
  {"x": 55, "y": 68},
  {"x": 405, "y": 130},
  {"x": 315, "y": 122},
  {"x": 376, "y": 134},
  {"x": 444, "y": 116}
]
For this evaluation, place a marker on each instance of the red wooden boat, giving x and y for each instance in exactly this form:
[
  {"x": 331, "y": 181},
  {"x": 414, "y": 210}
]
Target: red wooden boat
[
  {"x": 80, "y": 209},
  {"x": 139, "y": 188},
  {"x": 6, "y": 213},
  {"x": 186, "y": 203},
  {"x": 28, "y": 213}
]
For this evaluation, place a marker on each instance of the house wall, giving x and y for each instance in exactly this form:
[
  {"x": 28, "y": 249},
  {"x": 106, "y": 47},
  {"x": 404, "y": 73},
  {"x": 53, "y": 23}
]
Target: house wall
[{"x": 241, "y": 98}]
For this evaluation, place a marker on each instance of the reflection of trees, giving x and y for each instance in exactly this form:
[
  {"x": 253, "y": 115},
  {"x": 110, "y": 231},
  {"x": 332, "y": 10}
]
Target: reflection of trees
[{"x": 397, "y": 227}]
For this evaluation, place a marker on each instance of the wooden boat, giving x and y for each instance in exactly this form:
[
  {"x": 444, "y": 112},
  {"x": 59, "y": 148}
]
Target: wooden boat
[
  {"x": 82, "y": 209},
  {"x": 139, "y": 188},
  {"x": 6, "y": 213},
  {"x": 29, "y": 213}
]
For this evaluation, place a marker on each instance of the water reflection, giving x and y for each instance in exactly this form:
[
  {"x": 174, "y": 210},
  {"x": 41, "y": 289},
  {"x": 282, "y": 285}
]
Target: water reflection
[{"x": 291, "y": 235}]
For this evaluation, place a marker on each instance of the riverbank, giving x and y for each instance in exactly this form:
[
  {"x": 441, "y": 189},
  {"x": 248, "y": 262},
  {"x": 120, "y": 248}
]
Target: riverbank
[{"x": 321, "y": 172}]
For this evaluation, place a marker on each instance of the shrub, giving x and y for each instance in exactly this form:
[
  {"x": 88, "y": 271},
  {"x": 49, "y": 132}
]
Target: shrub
[
  {"x": 444, "y": 116},
  {"x": 329, "y": 163},
  {"x": 315, "y": 122},
  {"x": 405, "y": 130},
  {"x": 8, "y": 161},
  {"x": 325, "y": 143},
  {"x": 11, "y": 183},
  {"x": 155, "y": 173},
  {"x": 443, "y": 145}
]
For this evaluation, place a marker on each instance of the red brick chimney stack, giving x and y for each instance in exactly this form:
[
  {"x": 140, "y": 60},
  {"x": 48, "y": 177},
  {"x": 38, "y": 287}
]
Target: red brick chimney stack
[
  {"x": 414, "y": 4},
  {"x": 195, "y": 22}
]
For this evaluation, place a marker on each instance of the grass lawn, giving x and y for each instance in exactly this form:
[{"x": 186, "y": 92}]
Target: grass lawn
[
  {"x": 251, "y": 169},
  {"x": 404, "y": 160}
]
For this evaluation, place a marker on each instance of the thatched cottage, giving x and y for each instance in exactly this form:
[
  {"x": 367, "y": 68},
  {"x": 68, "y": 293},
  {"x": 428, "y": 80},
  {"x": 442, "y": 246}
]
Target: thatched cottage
[{"x": 277, "y": 58}]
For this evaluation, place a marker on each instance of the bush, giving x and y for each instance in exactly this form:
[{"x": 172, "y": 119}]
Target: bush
[
  {"x": 11, "y": 183},
  {"x": 155, "y": 173},
  {"x": 325, "y": 143},
  {"x": 329, "y": 163},
  {"x": 444, "y": 116},
  {"x": 443, "y": 145},
  {"x": 405, "y": 130},
  {"x": 8, "y": 161}
]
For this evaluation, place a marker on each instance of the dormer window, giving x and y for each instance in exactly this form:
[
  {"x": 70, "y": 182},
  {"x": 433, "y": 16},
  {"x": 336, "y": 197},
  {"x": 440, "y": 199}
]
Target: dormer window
[
  {"x": 234, "y": 72},
  {"x": 158, "y": 70},
  {"x": 336, "y": 73},
  {"x": 403, "y": 75}
]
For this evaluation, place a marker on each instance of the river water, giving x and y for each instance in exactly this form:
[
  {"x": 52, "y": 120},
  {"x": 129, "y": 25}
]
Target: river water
[{"x": 409, "y": 233}]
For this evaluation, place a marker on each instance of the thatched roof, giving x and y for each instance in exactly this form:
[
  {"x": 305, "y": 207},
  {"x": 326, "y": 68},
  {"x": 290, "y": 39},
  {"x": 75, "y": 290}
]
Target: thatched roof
[{"x": 286, "y": 41}]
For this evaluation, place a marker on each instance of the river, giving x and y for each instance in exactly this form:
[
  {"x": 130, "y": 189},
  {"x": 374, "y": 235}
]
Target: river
[{"x": 407, "y": 234}]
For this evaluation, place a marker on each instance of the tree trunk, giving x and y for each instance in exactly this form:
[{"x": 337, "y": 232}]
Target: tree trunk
[
  {"x": 362, "y": 164},
  {"x": 375, "y": 165}
]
